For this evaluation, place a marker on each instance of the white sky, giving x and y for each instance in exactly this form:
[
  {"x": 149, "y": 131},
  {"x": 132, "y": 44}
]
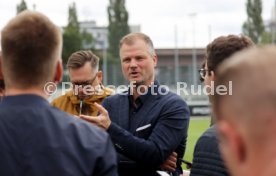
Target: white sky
[{"x": 157, "y": 18}]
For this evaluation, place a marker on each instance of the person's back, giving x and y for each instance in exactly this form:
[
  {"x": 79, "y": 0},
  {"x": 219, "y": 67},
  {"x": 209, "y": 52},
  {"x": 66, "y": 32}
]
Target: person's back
[{"x": 35, "y": 138}]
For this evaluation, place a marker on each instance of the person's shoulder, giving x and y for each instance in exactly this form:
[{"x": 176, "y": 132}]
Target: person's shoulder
[
  {"x": 56, "y": 111},
  {"x": 80, "y": 128},
  {"x": 210, "y": 132},
  {"x": 174, "y": 95},
  {"x": 173, "y": 98},
  {"x": 92, "y": 131},
  {"x": 207, "y": 149},
  {"x": 117, "y": 96},
  {"x": 89, "y": 136},
  {"x": 208, "y": 139},
  {"x": 88, "y": 141},
  {"x": 165, "y": 92}
]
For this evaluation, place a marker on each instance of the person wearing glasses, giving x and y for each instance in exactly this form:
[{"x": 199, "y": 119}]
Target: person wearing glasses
[
  {"x": 200, "y": 72},
  {"x": 207, "y": 159},
  {"x": 87, "y": 88},
  {"x": 37, "y": 139}
]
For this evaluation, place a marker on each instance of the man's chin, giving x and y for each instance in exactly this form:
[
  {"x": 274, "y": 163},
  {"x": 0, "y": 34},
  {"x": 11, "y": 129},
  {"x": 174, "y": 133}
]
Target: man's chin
[{"x": 136, "y": 82}]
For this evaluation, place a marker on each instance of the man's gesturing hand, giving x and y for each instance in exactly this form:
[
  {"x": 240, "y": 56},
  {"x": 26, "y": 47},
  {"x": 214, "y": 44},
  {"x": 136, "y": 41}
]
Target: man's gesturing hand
[{"x": 102, "y": 120}]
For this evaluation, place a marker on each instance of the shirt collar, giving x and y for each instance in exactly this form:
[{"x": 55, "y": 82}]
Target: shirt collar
[
  {"x": 25, "y": 100},
  {"x": 143, "y": 98}
]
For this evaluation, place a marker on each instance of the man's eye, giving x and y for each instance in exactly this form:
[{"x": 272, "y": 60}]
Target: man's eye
[{"x": 126, "y": 60}]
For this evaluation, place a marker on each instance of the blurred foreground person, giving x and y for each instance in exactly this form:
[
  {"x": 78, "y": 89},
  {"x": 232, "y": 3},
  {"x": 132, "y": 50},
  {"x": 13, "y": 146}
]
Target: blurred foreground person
[
  {"x": 246, "y": 119},
  {"x": 35, "y": 138}
]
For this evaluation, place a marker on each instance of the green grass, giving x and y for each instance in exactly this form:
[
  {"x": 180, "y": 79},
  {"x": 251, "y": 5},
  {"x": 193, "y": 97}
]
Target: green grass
[{"x": 196, "y": 128}]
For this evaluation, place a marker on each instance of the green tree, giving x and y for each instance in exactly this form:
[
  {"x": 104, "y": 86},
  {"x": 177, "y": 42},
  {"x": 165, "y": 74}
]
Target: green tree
[
  {"x": 117, "y": 27},
  {"x": 21, "y": 7},
  {"x": 87, "y": 40},
  {"x": 267, "y": 37},
  {"x": 254, "y": 26},
  {"x": 73, "y": 38}
]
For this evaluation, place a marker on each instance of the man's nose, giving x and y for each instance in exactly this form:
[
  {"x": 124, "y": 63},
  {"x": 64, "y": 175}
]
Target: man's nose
[{"x": 133, "y": 63}]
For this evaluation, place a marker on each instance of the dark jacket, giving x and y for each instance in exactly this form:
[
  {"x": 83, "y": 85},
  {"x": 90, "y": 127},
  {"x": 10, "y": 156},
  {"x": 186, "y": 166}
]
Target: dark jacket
[
  {"x": 146, "y": 139},
  {"x": 207, "y": 159},
  {"x": 39, "y": 140}
]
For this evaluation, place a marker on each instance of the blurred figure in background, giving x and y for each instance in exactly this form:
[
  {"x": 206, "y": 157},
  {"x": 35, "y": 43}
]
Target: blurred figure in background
[
  {"x": 207, "y": 159},
  {"x": 87, "y": 88}
]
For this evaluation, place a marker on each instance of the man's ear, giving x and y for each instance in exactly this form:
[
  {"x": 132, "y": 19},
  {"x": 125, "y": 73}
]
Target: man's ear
[
  {"x": 100, "y": 76},
  {"x": 59, "y": 72},
  {"x": 212, "y": 75},
  {"x": 232, "y": 145},
  {"x": 155, "y": 59}
]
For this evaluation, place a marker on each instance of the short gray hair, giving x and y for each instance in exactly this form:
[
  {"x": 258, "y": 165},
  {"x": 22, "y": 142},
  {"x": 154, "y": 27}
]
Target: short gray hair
[{"x": 130, "y": 38}]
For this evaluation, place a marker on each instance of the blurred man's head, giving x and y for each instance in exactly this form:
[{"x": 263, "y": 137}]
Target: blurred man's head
[
  {"x": 84, "y": 73},
  {"x": 31, "y": 49},
  {"x": 218, "y": 51},
  {"x": 247, "y": 118}
]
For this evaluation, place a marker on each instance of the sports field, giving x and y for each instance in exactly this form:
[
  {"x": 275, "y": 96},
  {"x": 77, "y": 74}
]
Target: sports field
[{"x": 197, "y": 126}]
